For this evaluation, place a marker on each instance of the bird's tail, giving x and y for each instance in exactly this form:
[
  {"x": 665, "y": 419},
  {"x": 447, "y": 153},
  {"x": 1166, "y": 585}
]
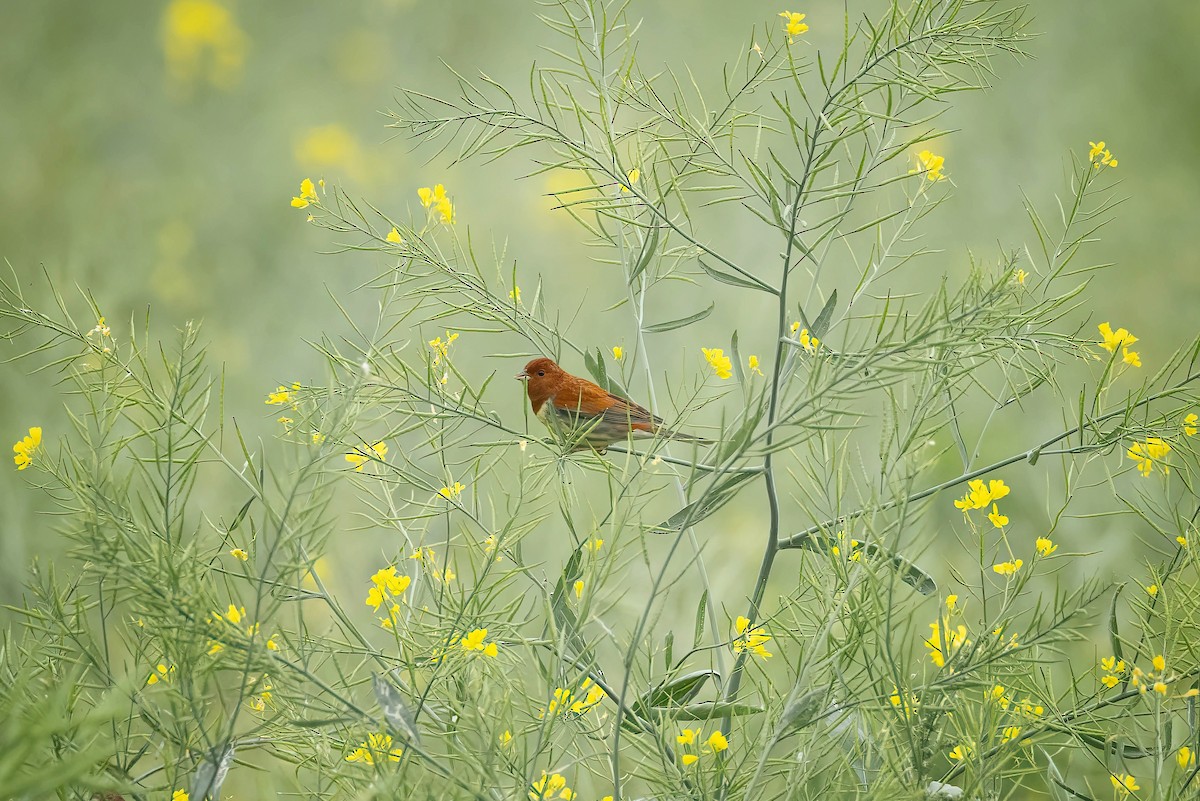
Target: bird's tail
[{"x": 663, "y": 431}]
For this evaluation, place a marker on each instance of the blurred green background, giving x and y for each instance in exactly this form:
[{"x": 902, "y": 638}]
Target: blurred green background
[{"x": 149, "y": 153}]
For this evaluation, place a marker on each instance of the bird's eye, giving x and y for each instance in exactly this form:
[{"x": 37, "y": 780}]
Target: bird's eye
[{"x": 541, "y": 372}]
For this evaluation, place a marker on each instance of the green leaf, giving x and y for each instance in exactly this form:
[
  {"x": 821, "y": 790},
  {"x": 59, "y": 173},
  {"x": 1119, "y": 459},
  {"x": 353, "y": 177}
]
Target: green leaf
[
  {"x": 241, "y": 515},
  {"x": 649, "y": 248},
  {"x": 671, "y": 325},
  {"x": 395, "y": 710},
  {"x": 1114, "y": 636},
  {"x": 210, "y": 775},
  {"x": 678, "y": 692},
  {"x": 565, "y": 619},
  {"x": 735, "y": 280},
  {"x": 707, "y": 710},
  {"x": 738, "y": 372},
  {"x": 710, "y": 501},
  {"x": 821, "y": 324},
  {"x": 701, "y": 609},
  {"x": 599, "y": 371}
]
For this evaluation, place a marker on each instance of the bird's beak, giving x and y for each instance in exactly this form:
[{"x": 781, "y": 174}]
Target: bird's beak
[{"x": 521, "y": 376}]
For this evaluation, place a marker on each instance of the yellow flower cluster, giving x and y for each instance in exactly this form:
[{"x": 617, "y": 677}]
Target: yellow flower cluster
[
  {"x": 437, "y": 199},
  {"x": 980, "y": 495},
  {"x": 752, "y": 365},
  {"x": 27, "y": 447},
  {"x": 999, "y": 695},
  {"x": 552, "y": 786},
  {"x": 234, "y": 616},
  {"x": 793, "y": 24},
  {"x": 931, "y": 165},
  {"x": 1148, "y": 453},
  {"x": 387, "y": 587},
  {"x": 377, "y": 745},
  {"x": 202, "y": 40},
  {"x": 806, "y": 340},
  {"x": 428, "y": 559},
  {"x": 906, "y": 703},
  {"x": 1124, "y": 783},
  {"x": 632, "y": 176},
  {"x": 1119, "y": 339},
  {"x": 566, "y": 702},
  {"x": 476, "y": 641},
  {"x": 1008, "y": 568},
  {"x": 1100, "y": 156},
  {"x": 161, "y": 673},
  {"x": 715, "y": 743},
  {"x": 719, "y": 362},
  {"x": 945, "y": 641},
  {"x": 453, "y": 491},
  {"x": 441, "y": 350},
  {"x": 360, "y": 457},
  {"x": 1190, "y": 424},
  {"x": 750, "y": 639},
  {"x": 259, "y": 702},
  {"x": 308, "y": 195},
  {"x": 1045, "y": 546},
  {"x": 282, "y": 395}
]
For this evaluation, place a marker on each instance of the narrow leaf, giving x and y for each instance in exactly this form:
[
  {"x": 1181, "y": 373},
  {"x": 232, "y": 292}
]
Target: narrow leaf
[
  {"x": 395, "y": 710},
  {"x": 207, "y": 781},
  {"x": 678, "y": 692},
  {"x": 821, "y": 324},
  {"x": 671, "y": 325},
  {"x": 707, "y": 710},
  {"x": 736, "y": 280},
  {"x": 649, "y": 248},
  {"x": 701, "y": 610}
]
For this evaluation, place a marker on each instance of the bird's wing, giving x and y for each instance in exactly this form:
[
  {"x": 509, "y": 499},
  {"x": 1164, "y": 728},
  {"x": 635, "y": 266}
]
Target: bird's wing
[
  {"x": 626, "y": 411},
  {"x": 587, "y": 400}
]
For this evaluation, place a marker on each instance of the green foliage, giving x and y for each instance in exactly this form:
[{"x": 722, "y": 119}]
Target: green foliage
[{"x": 194, "y": 636}]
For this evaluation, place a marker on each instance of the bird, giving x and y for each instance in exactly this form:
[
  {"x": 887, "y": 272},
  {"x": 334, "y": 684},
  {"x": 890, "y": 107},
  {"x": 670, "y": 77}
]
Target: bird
[{"x": 583, "y": 414}]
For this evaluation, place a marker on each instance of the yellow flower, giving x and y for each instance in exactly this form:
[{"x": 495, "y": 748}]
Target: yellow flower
[
  {"x": 450, "y": 493},
  {"x": 931, "y": 164},
  {"x": 905, "y": 705},
  {"x": 807, "y": 341},
  {"x": 951, "y": 601},
  {"x": 1160, "y": 687},
  {"x": 687, "y": 736},
  {"x": 752, "y": 640},
  {"x": 1010, "y": 733},
  {"x": 474, "y": 641},
  {"x": 1183, "y": 541},
  {"x": 1151, "y": 590},
  {"x": 579, "y": 589},
  {"x": 360, "y": 458},
  {"x": 1109, "y": 681},
  {"x": 202, "y": 40},
  {"x": 566, "y": 701},
  {"x": 239, "y": 553},
  {"x": 998, "y": 520},
  {"x": 632, "y": 176},
  {"x": 1160, "y": 663},
  {"x": 441, "y": 350},
  {"x": 375, "y": 746},
  {"x": 594, "y": 545},
  {"x": 1045, "y": 546},
  {"x": 752, "y": 364},
  {"x": 688, "y": 759},
  {"x": 515, "y": 294},
  {"x": 980, "y": 495},
  {"x": 1099, "y": 151},
  {"x": 1185, "y": 758},
  {"x": 505, "y": 738},
  {"x": 959, "y": 753},
  {"x": 281, "y": 396},
  {"x": 1190, "y": 424},
  {"x": 944, "y": 643},
  {"x": 26, "y": 448},
  {"x": 430, "y": 196},
  {"x": 552, "y": 786},
  {"x": 793, "y": 24},
  {"x": 387, "y": 585},
  {"x": 1124, "y": 783},
  {"x": 394, "y": 237},
  {"x": 307, "y": 196},
  {"x": 619, "y": 353},
  {"x": 1019, "y": 276},
  {"x": 160, "y": 673},
  {"x": 1008, "y": 568},
  {"x": 719, "y": 362},
  {"x": 717, "y": 741},
  {"x": 233, "y": 615},
  {"x": 1147, "y": 453},
  {"x": 1122, "y": 339},
  {"x": 179, "y": 795}
]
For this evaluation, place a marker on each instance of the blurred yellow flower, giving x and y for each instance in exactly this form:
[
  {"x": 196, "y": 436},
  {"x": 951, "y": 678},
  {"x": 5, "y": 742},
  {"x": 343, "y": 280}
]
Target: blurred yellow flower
[
  {"x": 1100, "y": 156},
  {"x": 717, "y": 741},
  {"x": 1190, "y": 424},
  {"x": 376, "y": 745},
  {"x": 160, "y": 673},
  {"x": 202, "y": 40},
  {"x": 450, "y": 493},
  {"x": 1185, "y": 758},
  {"x": 239, "y": 553},
  {"x": 998, "y": 520},
  {"x": 808, "y": 342},
  {"x": 552, "y": 786},
  {"x": 619, "y": 353},
  {"x": 979, "y": 495},
  {"x": 943, "y": 643},
  {"x": 1019, "y": 276},
  {"x": 515, "y": 294},
  {"x": 328, "y": 147},
  {"x": 752, "y": 364},
  {"x": 360, "y": 458},
  {"x": 579, "y": 588},
  {"x": 632, "y": 176},
  {"x": 719, "y": 362},
  {"x": 1151, "y": 590},
  {"x": 394, "y": 237},
  {"x": 437, "y": 198},
  {"x": 27, "y": 447},
  {"x": 1122, "y": 339},
  {"x": 750, "y": 639},
  {"x": 1045, "y": 546},
  {"x": 1124, "y": 783},
  {"x": 179, "y": 795}
]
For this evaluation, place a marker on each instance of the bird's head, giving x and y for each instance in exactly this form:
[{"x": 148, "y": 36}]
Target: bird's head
[{"x": 541, "y": 376}]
